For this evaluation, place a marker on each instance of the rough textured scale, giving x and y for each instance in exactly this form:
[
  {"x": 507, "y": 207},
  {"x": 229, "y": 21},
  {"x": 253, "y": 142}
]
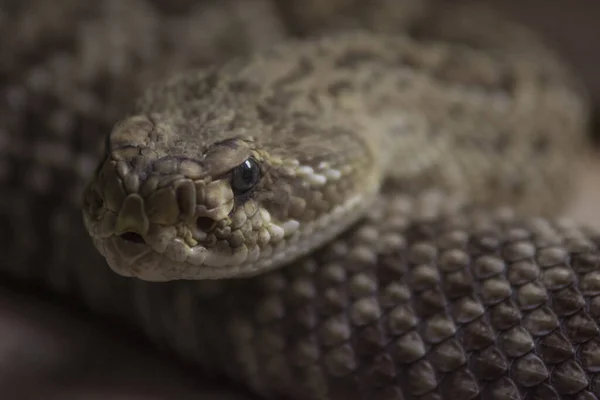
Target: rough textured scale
[
  {"x": 419, "y": 301},
  {"x": 322, "y": 123},
  {"x": 422, "y": 300},
  {"x": 428, "y": 296}
]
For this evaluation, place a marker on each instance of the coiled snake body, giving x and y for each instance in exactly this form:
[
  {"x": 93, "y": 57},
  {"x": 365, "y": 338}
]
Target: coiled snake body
[{"x": 318, "y": 212}]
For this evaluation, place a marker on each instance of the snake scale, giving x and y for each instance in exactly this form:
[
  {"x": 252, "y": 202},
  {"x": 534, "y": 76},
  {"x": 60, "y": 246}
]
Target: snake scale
[{"x": 327, "y": 219}]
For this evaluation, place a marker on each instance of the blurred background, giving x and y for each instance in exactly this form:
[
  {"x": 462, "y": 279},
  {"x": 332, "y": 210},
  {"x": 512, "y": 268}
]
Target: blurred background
[{"x": 68, "y": 66}]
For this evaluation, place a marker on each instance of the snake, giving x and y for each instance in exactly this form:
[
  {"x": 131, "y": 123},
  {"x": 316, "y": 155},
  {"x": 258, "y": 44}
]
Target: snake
[{"x": 355, "y": 215}]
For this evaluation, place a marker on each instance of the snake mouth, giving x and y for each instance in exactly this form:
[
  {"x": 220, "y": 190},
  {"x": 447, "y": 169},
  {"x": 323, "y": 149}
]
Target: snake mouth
[
  {"x": 163, "y": 255},
  {"x": 142, "y": 256},
  {"x": 133, "y": 237},
  {"x": 202, "y": 249},
  {"x": 130, "y": 255}
]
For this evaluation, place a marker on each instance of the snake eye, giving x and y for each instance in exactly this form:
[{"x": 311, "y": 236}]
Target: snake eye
[{"x": 245, "y": 176}]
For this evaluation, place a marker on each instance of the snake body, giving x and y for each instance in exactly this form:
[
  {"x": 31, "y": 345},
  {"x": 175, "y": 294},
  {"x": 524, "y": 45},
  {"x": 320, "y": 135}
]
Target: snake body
[{"x": 326, "y": 221}]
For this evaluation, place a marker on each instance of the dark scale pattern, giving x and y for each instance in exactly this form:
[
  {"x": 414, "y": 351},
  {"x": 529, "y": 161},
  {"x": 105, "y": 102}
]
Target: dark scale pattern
[{"x": 416, "y": 302}]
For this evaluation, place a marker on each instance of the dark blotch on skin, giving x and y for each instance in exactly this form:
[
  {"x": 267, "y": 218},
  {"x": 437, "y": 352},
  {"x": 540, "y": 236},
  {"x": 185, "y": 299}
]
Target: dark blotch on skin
[
  {"x": 266, "y": 114},
  {"x": 338, "y": 87},
  {"x": 502, "y": 142},
  {"x": 304, "y": 68},
  {"x": 200, "y": 87},
  {"x": 508, "y": 83},
  {"x": 352, "y": 59},
  {"x": 518, "y": 186},
  {"x": 241, "y": 86},
  {"x": 276, "y": 105},
  {"x": 541, "y": 144}
]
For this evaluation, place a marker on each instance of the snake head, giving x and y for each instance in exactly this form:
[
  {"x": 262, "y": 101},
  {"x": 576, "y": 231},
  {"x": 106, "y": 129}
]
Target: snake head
[{"x": 169, "y": 202}]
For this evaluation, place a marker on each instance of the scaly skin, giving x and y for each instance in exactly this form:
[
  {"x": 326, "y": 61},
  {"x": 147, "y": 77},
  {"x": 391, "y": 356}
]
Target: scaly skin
[
  {"x": 323, "y": 122},
  {"x": 423, "y": 298}
]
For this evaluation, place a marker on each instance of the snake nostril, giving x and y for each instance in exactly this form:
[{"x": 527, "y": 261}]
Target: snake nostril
[
  {"x": 205, "y": 224},
  {"x": 133, "y": 237}
]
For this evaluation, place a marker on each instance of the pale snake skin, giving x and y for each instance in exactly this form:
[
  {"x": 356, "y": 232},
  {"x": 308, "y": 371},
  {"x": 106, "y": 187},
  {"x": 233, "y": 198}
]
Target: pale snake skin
[{"x": 423, "y": 299}]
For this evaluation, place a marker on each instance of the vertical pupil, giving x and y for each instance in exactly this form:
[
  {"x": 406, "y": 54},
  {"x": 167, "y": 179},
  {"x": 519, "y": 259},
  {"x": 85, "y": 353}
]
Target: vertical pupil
[{"x": 247, "y": 172}]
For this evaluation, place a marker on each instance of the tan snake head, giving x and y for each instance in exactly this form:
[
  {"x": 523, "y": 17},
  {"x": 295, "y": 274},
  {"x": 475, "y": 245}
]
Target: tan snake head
[{"x": 170, "y": 203}]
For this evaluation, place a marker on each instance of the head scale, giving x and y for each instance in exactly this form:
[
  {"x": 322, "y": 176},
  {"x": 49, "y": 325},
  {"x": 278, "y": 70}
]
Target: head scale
[{"x": 179, "y": 198}]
